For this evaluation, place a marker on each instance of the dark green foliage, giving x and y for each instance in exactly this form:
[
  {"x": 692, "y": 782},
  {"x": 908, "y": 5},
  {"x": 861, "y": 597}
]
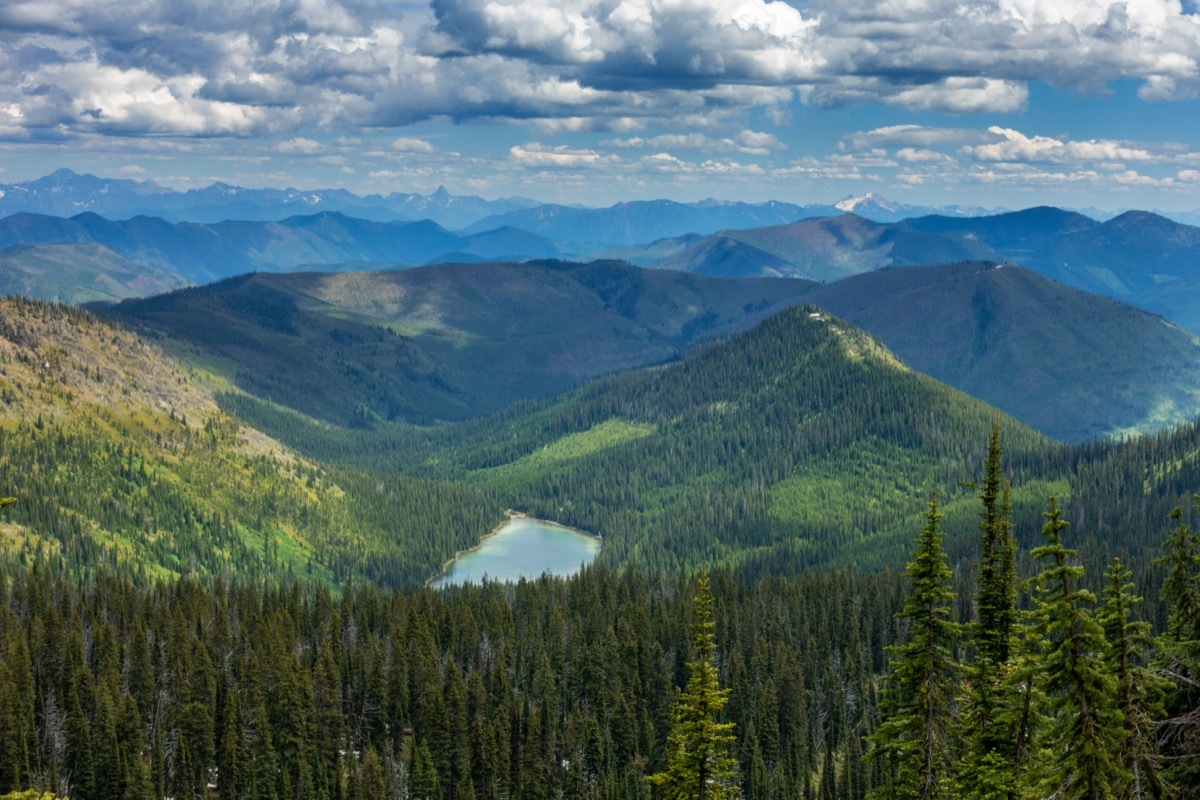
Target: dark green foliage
[
  {"x": 982, "y": 328},
  {"x": 1084, "y": 740},
  {"x": 914, "y": 741},
  {"x": 444, "y": 343},
  {"x": 529, "y": 690},
  {"x": 1139, "y": 690},
  {"x": 1179, "y": 656}
]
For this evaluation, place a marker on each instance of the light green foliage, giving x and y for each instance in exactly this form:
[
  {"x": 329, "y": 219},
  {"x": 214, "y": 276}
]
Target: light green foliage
[{"x": 700, "y": 765}]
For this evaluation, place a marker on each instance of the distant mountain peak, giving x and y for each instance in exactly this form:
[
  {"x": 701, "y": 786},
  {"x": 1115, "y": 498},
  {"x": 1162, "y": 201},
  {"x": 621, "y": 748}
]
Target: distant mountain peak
[{"x": 851, "y": 203}]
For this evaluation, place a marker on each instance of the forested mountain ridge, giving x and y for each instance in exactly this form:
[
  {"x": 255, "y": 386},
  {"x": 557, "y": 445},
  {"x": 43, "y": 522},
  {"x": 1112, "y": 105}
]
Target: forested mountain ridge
[
  {"x": 1138, "y": 257},
  {"x": 446, "y": 342},
  {"x": 1072, "y": 364}
]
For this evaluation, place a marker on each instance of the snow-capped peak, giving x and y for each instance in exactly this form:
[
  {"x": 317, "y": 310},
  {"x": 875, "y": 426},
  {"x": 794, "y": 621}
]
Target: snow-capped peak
[{"x": 851, "y": 203}]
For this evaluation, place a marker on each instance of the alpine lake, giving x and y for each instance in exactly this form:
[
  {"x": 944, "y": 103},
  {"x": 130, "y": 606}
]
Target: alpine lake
[{"x": 521, "y": 548}]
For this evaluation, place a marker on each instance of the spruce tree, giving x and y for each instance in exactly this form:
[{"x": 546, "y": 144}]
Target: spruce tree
[
  {"x": 918, "y": 701},
  {"x": 995, "y": 603},
  {"x": 1179, "y": 656},
  {"x": 700, "y": 765},
  {"x": 1139, "y": 691},
  {"x": 1085, "y": 731}
]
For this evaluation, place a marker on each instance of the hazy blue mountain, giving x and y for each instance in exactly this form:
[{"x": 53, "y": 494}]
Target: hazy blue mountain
[
  {"x": 78, "y": 273},
  {"x": 1142, "y": 258},
  {"x": 880, "y": 209},
  {"x": 821, "y": 249},
  {"x": 200, "y": 253},
  {"x": 65, "y": 193}
]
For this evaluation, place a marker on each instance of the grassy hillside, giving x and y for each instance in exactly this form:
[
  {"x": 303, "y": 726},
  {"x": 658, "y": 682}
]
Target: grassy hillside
[
  {"x": 1069, "y": 363},
  {"x": 444, "y": 343}
]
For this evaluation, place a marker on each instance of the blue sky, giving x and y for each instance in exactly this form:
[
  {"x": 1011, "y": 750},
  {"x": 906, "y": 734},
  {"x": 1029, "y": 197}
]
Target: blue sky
[{"x": 986, "y": 102}]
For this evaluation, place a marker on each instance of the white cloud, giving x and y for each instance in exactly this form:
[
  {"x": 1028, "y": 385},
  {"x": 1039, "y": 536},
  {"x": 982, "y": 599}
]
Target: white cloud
[
  {"x": 747, "y": 142},
  {"x": 1016, "y": 146},
  {"x": 300, "y": 146},
  {"x": 409, "y": 145},
  {"x": 538, "y": 155}
]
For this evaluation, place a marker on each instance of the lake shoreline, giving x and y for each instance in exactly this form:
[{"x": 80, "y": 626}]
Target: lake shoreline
[{"x": 510, "y": 514}]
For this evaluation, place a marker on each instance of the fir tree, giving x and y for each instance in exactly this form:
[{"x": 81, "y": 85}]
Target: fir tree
[
  {"x": 918, "y": 701},
  {"x": 700, "y": 765},
  {"x": 1086, "y": 725}
]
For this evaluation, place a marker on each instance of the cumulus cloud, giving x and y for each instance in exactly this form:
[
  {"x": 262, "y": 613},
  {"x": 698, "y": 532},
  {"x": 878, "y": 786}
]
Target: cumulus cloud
[
  {"x": 300, "y": 146},
  {"x": 537, "y": 155},
  {"x": 407, "y": 144},
  {"x": 1016, "y": 146},
  {"x": 284, "y": 68}
]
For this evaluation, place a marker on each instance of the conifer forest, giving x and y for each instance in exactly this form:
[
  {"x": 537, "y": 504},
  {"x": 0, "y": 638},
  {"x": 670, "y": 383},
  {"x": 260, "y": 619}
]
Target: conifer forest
[{"x": 1027, "y": 678}]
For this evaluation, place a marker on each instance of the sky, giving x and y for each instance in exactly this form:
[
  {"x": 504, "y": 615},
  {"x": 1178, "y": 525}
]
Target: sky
[{"x": 994, "y": 103}]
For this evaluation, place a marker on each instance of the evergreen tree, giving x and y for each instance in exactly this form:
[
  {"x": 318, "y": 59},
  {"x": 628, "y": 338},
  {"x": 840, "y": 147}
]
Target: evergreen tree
[
  {"x": 990, "y": 738},
  {"x": 917, "y": 704},
  {"x": 1086, "y": 725},
  {"x": 700, "y": 765},
  {"x": 1179, "y": 656},
  {"x": 1139, "y": 691}
]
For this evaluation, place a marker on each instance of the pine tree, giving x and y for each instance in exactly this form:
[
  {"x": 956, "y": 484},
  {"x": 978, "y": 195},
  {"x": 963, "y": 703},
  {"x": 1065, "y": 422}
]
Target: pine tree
[
  {"x": 700, "y": 765},
  {"x": 917, "y": 704},
  {"x": 1086, "y": 724}
]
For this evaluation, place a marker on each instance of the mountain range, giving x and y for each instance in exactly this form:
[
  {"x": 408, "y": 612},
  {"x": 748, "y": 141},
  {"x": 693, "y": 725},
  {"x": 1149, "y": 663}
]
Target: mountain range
[
  {"x": 456, "y": 341},
  {"x": 200, "y": 253},
  {"x": 65, "y": 193}
]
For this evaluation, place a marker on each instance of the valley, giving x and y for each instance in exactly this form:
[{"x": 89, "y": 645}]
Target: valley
[{"x": 264, "y": 500}]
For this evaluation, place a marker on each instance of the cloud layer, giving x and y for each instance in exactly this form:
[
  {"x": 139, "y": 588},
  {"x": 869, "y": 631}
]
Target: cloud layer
[{"x": 255, "y": 67}]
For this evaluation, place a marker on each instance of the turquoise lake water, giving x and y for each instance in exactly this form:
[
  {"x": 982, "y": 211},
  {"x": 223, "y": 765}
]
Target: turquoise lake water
[{"x": 523, "y": 548}]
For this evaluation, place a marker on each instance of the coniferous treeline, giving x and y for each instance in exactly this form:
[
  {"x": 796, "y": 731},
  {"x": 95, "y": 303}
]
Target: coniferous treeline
[
  {"x": 1068, "y": 696},
  {"x": 542, "y": 689}
]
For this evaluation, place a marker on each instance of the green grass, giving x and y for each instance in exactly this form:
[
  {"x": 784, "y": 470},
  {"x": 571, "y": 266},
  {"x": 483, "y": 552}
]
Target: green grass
[{"x": 609, "y": 433}]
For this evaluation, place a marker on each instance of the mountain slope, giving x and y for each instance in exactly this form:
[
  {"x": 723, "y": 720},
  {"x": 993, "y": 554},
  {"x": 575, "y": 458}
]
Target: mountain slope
[
  {"x": 644, "y": 220},
  {"x": 78, "y": 273},
  {"x": 801, "y": 441},
  {"x": 1138, "y": 257},
  {"x": 118, "y": 459},
  {"x": 1071, "y": 364},
  {"x": 65, "y": 193},
  {"x": 447, "y": 342}
]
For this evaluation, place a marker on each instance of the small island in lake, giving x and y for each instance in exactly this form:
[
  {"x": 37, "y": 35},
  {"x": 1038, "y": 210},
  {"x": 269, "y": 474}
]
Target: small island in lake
[{"x": 522, "y": 548}]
